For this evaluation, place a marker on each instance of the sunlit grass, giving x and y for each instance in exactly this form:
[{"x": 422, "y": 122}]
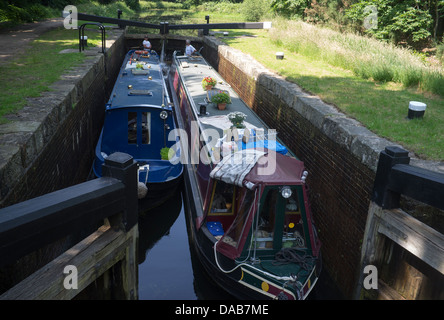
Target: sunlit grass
[
  {"x": 32, "y": 73},
  {"x": 318, "y": 67},
  {"x": 380, "y": 106},
  {"x": 368, "y": 58}
]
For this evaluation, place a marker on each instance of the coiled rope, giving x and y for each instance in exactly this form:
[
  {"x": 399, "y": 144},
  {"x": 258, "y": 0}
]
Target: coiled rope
[{"x": 292, "y": 255}]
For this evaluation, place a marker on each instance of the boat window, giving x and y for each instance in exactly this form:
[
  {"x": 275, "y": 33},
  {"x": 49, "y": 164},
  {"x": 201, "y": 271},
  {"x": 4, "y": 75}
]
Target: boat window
[
  {"x": 132, "y": 127},
  {"x": 238, "y": 227},
  {"x": 265, "y": 231},
  {"x": 293, "y": 235},
  {"x": 146, "y": 124},
  {"x": 222, "y": 200}
]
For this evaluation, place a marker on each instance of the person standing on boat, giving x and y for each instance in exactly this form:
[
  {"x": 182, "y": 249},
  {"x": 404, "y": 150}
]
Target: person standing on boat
[
  {"x": 146, "y": 44},
  {"x": 189, "y": 49}
]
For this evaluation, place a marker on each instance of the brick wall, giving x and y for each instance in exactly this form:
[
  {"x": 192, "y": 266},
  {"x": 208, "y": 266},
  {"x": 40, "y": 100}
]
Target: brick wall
[
  {"x": 340, "y": 155},
  {"x": 59, "y": 151}
]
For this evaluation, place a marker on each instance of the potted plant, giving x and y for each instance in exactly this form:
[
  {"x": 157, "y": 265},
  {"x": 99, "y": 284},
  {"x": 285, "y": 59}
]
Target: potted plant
[
  {"x": 221, "y": 98},
  {"x": 237, "y": 119},
  {"x": 166, "y": 153},
  {"x": 208, "y": 83}
]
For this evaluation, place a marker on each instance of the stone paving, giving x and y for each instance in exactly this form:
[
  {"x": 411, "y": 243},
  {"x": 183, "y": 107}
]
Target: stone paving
[{"x": 14, "y": 42}]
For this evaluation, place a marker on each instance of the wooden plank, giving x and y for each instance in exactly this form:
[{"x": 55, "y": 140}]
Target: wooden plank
[
  {"x": 130, "y": 268},
  {"x": 387, "y": 293},
  {"x": 418, "y": 183},
  {"x": 414, "y": 236},
  {"x": 92, "y": 257},
  {"x": 32, "y": 224}
]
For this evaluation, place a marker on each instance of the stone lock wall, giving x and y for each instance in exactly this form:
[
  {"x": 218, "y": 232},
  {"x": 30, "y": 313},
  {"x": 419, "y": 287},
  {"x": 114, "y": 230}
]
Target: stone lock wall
[
  {"x": 339, "y": 153},
  {"x": 49, "y": 144}
]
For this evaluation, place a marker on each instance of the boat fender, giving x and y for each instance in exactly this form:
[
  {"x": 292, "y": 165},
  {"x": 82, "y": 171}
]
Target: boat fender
[{"x": 141, "y": 190}]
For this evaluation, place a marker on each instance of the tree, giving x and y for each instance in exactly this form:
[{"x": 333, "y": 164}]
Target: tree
[
  {"x": 409, "y": 21},
  {"x": 290, "y": 8}
]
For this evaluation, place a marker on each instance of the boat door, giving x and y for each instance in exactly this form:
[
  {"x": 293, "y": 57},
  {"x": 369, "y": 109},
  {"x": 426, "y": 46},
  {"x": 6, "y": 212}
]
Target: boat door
[{"x": 281, "y": 222}]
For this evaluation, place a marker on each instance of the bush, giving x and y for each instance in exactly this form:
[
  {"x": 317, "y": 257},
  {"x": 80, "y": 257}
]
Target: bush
[
  {"x": 17, "y": 14},
  {"x": 253, "y": 10},
  {"x": 290, "y": 8},
  {"x": 133, "y": 5}
]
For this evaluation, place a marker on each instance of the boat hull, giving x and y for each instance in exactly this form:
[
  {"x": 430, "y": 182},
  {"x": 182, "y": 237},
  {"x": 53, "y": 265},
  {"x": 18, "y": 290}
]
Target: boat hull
[
  {"x": 139, "y": 121},
  {"x": 242, "y": 277},
  {"x": 159, "y": 193}
]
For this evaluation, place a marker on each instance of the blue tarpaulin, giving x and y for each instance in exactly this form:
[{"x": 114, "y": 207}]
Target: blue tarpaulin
[
  {"x": 215, "y": 227},
  {"x": 274, "y": 145}
]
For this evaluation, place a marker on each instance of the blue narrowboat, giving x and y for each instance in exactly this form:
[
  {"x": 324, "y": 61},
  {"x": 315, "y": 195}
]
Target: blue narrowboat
[{"x": 139, "y": 121}]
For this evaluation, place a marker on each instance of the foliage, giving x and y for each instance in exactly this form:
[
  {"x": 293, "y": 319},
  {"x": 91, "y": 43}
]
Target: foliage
[
  {"x": 221, "y": 97},
  {"x": 237, "y": 118},
  {"x": 329, "y": 12},
  {"x": 19, "y": 11},
  {"x": 253, "y": 10},
  {"x": 367, "y": 58},
  {"x": 219, "y": 6},
  {"x": 406, "y": 21},
  {"x": 290, "y": 8},
  {"x": 208, "y": 81},
  {"x": 133, "y": 5},
  {"x": 166, "y": 153}
]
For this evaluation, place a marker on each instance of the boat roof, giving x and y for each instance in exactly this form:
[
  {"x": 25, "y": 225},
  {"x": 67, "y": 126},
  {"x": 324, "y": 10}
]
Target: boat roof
[
  {"x": 135, "y": 86},
  {"x": 254, "y": 167},
  {"x": 274, "y": 168},
  {"x": 281, "y": 169},
  {"x": 193, "y": 70}
]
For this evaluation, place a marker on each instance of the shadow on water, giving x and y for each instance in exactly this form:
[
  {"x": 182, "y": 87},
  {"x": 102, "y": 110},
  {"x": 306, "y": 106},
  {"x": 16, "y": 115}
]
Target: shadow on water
[{"x": 169, "y": 269}]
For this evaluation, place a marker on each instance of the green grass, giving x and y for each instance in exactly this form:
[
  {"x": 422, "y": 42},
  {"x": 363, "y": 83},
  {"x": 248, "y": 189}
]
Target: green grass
[
  {"x": 381, "y": 106},
  {"x": 32, "y": 73},
  {"x": 366, "y": 57},
  {"x": 340, "y": 69}
]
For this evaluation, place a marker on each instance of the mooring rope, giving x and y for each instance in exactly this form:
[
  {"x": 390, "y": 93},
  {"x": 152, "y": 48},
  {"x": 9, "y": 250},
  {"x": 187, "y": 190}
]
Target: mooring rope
[{"x": 292, "y": 255}]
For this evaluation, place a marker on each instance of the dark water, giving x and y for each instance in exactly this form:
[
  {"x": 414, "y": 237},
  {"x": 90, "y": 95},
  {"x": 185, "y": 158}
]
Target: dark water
[{"x": 169, "y": 268}]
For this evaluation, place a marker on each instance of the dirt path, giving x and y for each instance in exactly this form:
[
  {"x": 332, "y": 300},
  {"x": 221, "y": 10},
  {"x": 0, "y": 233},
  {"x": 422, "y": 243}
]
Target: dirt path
[{"x": 14, "y": 41}]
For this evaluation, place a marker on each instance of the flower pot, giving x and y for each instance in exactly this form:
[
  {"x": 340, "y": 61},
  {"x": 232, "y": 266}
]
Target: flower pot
[
  {"x": 209, "y": 87},
  {"x": 221, "y": 106}
]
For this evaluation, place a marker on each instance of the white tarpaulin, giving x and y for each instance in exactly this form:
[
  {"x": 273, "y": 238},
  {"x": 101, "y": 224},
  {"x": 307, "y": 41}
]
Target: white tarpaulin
[{"x": 234, "y": 167}]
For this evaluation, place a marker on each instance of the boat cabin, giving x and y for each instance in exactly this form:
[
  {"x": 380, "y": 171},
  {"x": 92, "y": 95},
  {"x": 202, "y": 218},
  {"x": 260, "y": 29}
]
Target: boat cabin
[
  {"x": 268, "y": 216},
  {"x": 139, "y": 119}
]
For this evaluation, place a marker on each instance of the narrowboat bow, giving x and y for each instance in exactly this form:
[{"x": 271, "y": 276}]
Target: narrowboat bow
[
  {"x": 248, "y": 211},
  {"x": 139, "y": 121}
]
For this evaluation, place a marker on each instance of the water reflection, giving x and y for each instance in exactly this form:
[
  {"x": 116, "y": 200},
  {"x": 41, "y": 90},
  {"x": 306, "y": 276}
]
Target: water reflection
[{"x": 168, "y": 268}]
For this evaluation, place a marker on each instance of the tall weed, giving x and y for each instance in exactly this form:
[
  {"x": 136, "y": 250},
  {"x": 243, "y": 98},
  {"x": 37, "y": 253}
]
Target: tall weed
[{"x": 366, "y": 57}]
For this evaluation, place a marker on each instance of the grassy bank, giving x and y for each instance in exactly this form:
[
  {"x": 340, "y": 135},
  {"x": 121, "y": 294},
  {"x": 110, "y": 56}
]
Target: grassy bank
[
  {"x": 368, "y": 58},
  {"x": 33, "y": 72},
  {"x": 380, "y": 106},
  {"x": 371, "y": 81}
]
